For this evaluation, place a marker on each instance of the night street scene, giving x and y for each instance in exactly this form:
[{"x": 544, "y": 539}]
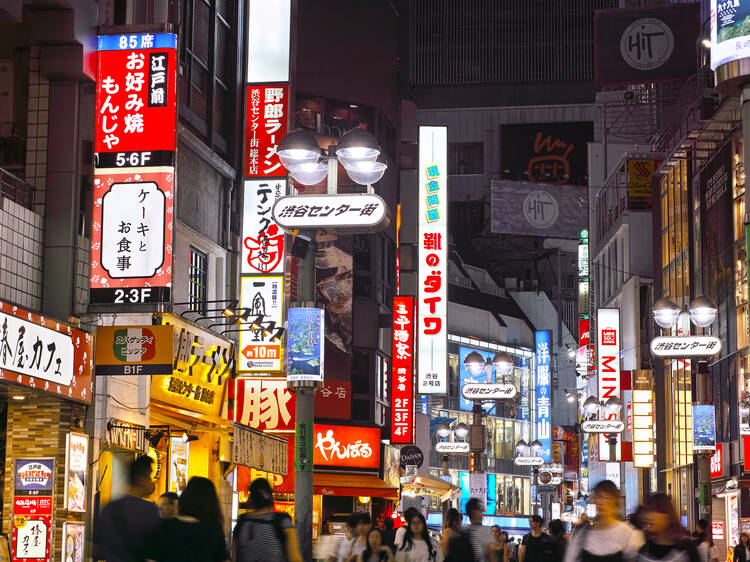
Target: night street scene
[{"x": 374, "y": 281}]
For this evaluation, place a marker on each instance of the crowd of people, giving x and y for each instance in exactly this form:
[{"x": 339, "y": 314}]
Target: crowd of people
[{"x": 190, "y": 528}]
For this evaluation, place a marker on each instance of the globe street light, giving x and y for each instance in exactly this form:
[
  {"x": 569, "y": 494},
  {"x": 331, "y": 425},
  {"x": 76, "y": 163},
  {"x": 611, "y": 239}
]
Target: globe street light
[
  {"x": 522, "y": 448},
  {"x": 666, "y": 312},
  {"x": 461, "y": 430},
  {"x": 591, "y": 405},
  {"x": 613, "y": 405},
  {"x": 703, "y": 312},
  {"x": 474, "y": 363},
  {"x": 443, "y": 430},
  {"x": 503, "y": 363}
]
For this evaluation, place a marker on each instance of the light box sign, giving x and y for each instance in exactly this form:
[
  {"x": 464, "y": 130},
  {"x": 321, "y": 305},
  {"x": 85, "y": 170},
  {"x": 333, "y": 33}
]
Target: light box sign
[
  {"x": 76, "y": 471},
  {"x": 179, "y": 455},
  {"x": 262, "y": 239},
  {"x": 339, "y": 445},
  {"x": 608, "y": 368},
  {"x": 432, "y": 304},
  {"x": 268, "y": 40},
  {"x": 263, "y": 403},
  {"x": 729, "y": 31},
  {"x": 351, "y": 213},
  {"x": 543, "y": 399},
  {"x": 32, "y": 509},
  {"x": 266, "y": 124},
  {"x": 704, "y": 427},
  {"x": 261, "y": 344},
  {"x": 402, "y": 367},
  {"x": 305, "y": 344}
]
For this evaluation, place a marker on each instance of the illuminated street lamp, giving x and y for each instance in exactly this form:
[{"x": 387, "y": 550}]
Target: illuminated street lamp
[
  {"x": 703, "y": 312},
  {"x": 666, "y": 312}
]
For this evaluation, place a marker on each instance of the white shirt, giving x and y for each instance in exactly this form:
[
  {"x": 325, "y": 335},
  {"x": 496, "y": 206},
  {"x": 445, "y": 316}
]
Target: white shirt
[
  {"x": 420, "y": 553},
  {"x": 603, "y": 542},
  {"x": 399, "y": 538},
  {"x": 347, "y": 547}
]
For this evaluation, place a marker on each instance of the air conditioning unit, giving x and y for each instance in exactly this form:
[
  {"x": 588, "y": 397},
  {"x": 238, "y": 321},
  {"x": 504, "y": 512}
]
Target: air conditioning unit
[
  {"x": 6, "y": 98},
  {"x": 532, "y": 285}
]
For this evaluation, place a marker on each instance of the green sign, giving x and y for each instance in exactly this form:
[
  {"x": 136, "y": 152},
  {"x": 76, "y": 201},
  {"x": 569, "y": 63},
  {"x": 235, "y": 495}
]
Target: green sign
[{"x": 303, "y": 457}]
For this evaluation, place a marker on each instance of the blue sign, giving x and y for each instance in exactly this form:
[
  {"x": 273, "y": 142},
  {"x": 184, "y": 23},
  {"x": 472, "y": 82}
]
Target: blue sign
[
  {"x": 34, "y": 477},
  {"x": 543, "y": 400},
  {"x": 585, "y": 451},
  {"x": 305, "y": 344},
  {"x": 465, "y": 377},
  {"x": 704, "y": 427},
  {"x": 491, "y": 494},
  {"x": 463, "y": 478}
]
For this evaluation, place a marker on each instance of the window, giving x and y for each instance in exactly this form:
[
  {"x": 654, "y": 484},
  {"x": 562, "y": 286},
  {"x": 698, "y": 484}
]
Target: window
[
  {"x": 198, "y": 280},
  {"x": 465, "y": 158}
]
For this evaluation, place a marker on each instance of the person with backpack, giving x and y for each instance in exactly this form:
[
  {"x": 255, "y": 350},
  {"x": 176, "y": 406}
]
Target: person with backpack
[{"x": 264, "y": 535}]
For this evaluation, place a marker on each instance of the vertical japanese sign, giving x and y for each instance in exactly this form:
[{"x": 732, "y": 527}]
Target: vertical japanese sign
[
  {"x": 260, "y": 344},
  {"x": 306, "y": 344},
  {"x": 131, "y": 238},
  {"x": 433, "y": 261},
  {"x": 643, "y": 420},
  {"x": 76, "y": 471},
  {"x": 32, "y": 509},
  {"x": 402, "y": 379},
  {"x": 263, "y": 403},
  {"x": 266, "y": 125},
  {"x": 262, "y": 239},
  {"x": 608, "y": 369},
  {"x": 543, "y": 404}
]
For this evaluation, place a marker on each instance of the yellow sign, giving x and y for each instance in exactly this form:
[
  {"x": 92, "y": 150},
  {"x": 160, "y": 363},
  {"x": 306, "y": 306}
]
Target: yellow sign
[
  {"x": 640, "y": 174},
  {"x": 134, "y": 350},
  {"x": 201, "y": 364},
  {"x": 19, "y": 521}
]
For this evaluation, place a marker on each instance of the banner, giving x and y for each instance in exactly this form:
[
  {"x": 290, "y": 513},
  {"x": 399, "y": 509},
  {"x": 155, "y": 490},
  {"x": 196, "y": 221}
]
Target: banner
[
  {"x": 261, "y": 343},
  {"x": 638, "y": 45},
  {"x": 402, "y": 367},
  {"x": 538, "y": 209},
  {"x": 543, "y": 393},
  {"x": 305, "y": 344},
  {"x": 608, "y": 367}
]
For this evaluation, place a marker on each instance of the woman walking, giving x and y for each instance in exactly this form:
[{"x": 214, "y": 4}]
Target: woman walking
[
  {"x": 742, "y": 550},
  {"x": 451, "y": 528},
  {"x": 417, "y": 545},
  {"x": 376, "y": 549},
  {"x": 666, "y": 539}
]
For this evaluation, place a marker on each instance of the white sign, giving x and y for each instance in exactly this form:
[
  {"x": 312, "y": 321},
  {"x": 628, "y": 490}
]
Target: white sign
[
  {"x": 489, "y": 391},
  {"x": 133, "y": 231},
  {"x": 612, "y": 472},
  {"x": 684, "y": 347},
  {"x": 432, "y": 307},
  {"x": 583, "y": 260},
  {"x": 478, "y": 487},
  {"x": 35, "y": 351},
  {"x": 255, "y": 449},
  {"x": 76, "y": 471},
  {"x": 269, "y": 25},
  {"x": 31, "y": 540},
  {"x": 660, "y": 41},
  {"x": 260, "y": 338},
  {"x": 528, "y": 461},
  {"x": 603, "y": 426},
  {"x": 452, "y": 447},
  {"x": 262, "y": 239},
  {"x": 608, "y": 367},
  {"x": 351, "y": 213}
]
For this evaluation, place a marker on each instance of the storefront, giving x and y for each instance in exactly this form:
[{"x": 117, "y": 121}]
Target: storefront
[
  {"x": 46, "y": 385},
  {"x": 188, "y": 433}
]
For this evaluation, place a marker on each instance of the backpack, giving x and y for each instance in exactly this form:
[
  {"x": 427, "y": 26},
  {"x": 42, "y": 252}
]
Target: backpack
[
  {"x": 247, "y": 520},
  {"x": 459, "y": 549}
]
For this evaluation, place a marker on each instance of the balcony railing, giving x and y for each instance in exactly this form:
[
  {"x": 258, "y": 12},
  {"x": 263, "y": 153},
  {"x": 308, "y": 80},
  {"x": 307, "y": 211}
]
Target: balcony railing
[{"x": 16, "y": 189}]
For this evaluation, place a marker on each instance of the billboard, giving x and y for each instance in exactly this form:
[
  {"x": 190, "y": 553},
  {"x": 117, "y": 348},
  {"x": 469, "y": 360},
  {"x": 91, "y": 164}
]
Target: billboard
[
  {"x": 432, "y": 307},
  {"x": 538, "y": 209},
  {"x": 543, "y": 393},
  {"x": 305, "y": 344},
  {"x": 704, "y": 427},
  {"x": 637, "y": 45},
  {"x": 608, "y": 368},
  {"x": 730, "y": 31},
  {"x": 546, "y": 152},
  {"x": 262, "y": 239},
  {"x": 260, "y": 344},
  {"x": 402, "y": 369}
]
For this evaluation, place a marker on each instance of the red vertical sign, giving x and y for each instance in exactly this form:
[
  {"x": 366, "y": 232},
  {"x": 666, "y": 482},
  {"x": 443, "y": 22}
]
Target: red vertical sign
[
  {"x": 266, "y": 125},
  {"x": 402, "y": 380}
]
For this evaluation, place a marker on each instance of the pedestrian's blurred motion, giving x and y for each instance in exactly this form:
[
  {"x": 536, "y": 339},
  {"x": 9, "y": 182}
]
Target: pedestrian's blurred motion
[
  {"x": 557, "y": 537},
  {"x": 376, "y": 549},
  {"x": 480, "y": 536},
  {"x": 196, "y": 534},
  {"x": 263, "y": 535},
  {"x": 666, "y": 538},
  {"x": 390, "y": 533},
  {"x": 742, "y": 550},
  {"x": 124, "y": 528},
  {"x": 417, "y": 545},
  {"x": 168, "y": 505},
  {"x": 608, "y": 539},
  {"x": 704, "y": 543},
  {"x": 450, "y": 543}
]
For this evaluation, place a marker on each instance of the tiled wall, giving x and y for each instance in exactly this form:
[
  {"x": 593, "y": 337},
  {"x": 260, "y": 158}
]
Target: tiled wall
[
  {"x": 21, "y": 253},
  {"x": 38, "y": 118}
]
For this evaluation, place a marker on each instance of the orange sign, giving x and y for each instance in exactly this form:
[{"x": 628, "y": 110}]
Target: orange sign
[{"x": 340, "y": 445}]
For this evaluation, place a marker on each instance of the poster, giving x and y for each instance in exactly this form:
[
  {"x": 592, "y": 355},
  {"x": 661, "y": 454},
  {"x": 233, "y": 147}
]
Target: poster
[
  {"x": 704, "y": 427},
  {"x": 305, "y": 344},
  {"x": 73, "y": 545},
  {"x": 76, "y": 471},
  {"x": 178, "y": 464},
  {"x": 32, "y": 509},
  {"x": 261, "y": 344}
]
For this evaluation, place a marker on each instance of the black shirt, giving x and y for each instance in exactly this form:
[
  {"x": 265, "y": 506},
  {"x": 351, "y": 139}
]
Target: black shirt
[
  {"x": 124, "y": 528},
  {"x": 178, "y": 540},
  {"x": 538, "y": 549}
]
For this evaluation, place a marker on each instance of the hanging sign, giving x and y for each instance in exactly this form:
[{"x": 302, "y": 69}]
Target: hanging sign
[
  {"x": 256, "y": 449},
  {"x": 364, "y": 213},
  {"x": 264, "y": 403},
  {"x": 266, "y": 118},
  {"x": 76, "y": 471},
  {"x": 608, "y": 367},
  {"x": 543, "y": 394},
  {"x": 684, "y": 347},
  {"x": 528, "y": 461},
  {"x": 489, "y": 391},
  {"x": 453, "y": 447},
  {"x": 262, "y": 239},
  {"x": 402, "y": 366},
  {"x": 261, "y": 342},
  {"x": 432, "y": 306},
  {"x": 305, "y": 344},
  {"x": 603, "y": 426}
]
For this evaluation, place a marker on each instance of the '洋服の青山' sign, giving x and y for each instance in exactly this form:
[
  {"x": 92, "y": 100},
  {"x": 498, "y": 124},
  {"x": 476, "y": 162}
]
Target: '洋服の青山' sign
[
  {"x": 402, "y": 367},
  {"x": 42, "y": 353},
  {"x": 131, "y": 241},
  {"x": 608, "y": 367},
  {"x": 432, "y": 304},
  {"x": 543, "y": 399}
]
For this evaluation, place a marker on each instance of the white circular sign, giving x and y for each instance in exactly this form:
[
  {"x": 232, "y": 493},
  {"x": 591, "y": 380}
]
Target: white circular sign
[
  {"x": 647, "y": 43},
  {"x": 540, "y": 209}
]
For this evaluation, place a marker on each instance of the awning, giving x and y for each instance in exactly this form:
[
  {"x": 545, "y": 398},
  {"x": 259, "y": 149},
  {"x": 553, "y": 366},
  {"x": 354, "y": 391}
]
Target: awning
[
  {"x": 331, "y": 484},
  {"x": 423, "y": 486}
]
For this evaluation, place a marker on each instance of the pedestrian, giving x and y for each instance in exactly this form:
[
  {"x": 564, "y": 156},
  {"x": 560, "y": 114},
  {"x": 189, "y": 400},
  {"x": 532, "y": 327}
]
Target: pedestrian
[
  {"x": 341, "y": 552},
  {"x": 666, "y": 538},
  {"x": 480, "y": 536},
  {"x": 362, "y": 527},
  {"x": 506, "y": 551},
  {"x": 124, "y": 527},
  {"x": 557, "y": 537},
  {"x": 417, "y": 545},
  {"x": 196, "y": 534},
  {"x": 168, "y": 505},
  {"x": 609, "y": 539},
  {"x": 706, "y": 550},
  {"x": 535, "y": 545},
  {"x": 389, "y": 533},
  {"x": 742, "y": 550},
  {"x": 454, "y": 541},
  {"x": 376, "y": 549},
  {"x": 263, "y": 534},
  {"x": 701, "y": 527},
  {"x": 401, "y": 531}
]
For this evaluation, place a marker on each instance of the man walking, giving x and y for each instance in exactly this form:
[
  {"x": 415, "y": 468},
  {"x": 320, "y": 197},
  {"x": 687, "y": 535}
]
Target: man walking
[
  {"x": 536, "y": 545},
  {"x": 480, "y": 537}
]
